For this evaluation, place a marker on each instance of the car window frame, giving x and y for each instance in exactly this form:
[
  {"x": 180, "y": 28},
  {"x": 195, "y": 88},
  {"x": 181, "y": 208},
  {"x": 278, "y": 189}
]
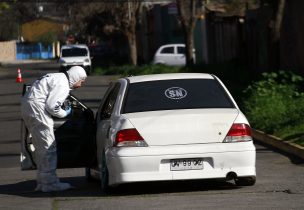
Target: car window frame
[
  {"x": 167, "y": 47},
  {"x": 74, "y": 48},
  {"x": 220, "y": 85},
  {"x": 111, "y": 86},
  {"x": 107, "y": 108},
  {"x": 177, "y": 52}
]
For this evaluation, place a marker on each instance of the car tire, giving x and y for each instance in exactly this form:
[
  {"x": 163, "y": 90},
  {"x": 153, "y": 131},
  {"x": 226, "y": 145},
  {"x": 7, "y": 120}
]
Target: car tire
[
  {"x": 88, "y": 175},
  {"x": 245, "y": 181},
  {"x": 88, "y": 70},
  {"x": 104, "y": 176}
]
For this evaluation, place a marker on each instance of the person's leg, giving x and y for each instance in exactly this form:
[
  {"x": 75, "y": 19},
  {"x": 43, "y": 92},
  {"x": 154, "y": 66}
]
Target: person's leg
[
  {"x": 46, "y": 159},
  {"x": 40, "y": 126}
]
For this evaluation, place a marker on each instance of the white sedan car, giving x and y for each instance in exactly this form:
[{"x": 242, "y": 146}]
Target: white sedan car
[{"x": 160, "y": 127}]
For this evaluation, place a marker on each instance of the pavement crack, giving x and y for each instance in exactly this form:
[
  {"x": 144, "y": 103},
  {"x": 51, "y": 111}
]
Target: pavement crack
[{"x": 287, "y": 191}]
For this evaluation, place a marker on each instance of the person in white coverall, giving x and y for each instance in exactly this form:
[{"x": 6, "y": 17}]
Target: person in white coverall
[{"x": 43, "y": 100}]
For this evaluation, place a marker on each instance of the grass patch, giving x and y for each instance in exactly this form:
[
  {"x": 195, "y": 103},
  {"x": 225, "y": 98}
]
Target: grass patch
[{"x": 293, "y": 134}]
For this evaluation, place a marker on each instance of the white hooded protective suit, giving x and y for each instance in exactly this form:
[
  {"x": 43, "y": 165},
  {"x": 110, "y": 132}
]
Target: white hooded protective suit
[{"x": 42, "y": 101}]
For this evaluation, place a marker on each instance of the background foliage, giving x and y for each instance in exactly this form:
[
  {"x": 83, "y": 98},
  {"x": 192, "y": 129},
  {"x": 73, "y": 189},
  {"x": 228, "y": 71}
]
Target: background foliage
[{"x": 276, "y": 103}]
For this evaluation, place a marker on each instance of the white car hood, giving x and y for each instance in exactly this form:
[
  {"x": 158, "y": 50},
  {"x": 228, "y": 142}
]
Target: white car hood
[{"x": 177, "y": 127}]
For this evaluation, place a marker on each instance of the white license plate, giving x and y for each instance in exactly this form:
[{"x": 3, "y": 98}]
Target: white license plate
[{"x": 186, "y": 164}]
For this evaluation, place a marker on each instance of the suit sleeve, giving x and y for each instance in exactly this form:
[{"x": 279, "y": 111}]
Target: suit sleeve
[{"x": 55, "y": 99}]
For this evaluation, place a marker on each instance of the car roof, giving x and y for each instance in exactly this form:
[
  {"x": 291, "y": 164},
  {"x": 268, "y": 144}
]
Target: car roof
[
  {"x": 155, "y": 77},
  {"x": 74, "y": 45},
  {"x": 172, "y": 45}
]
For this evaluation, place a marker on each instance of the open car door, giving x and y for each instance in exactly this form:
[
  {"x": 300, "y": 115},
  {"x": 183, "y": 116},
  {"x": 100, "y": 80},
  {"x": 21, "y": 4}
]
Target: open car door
[{"x": 74, "y": 135}]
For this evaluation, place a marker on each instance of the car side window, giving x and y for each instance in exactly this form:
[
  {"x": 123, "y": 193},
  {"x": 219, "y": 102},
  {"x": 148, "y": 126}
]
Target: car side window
[
  {"x": 167, "y": 50},
  {"x": 108, "y": 106},
  {"x": 180, "y": 50}
]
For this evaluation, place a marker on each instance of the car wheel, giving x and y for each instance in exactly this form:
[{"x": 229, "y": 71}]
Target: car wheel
[
  {"x": 88, "y": 175},
  {"x": 245, "y": 181},
  {"x": 88, "y": 70},
  {"x": 104, "y": 176}
]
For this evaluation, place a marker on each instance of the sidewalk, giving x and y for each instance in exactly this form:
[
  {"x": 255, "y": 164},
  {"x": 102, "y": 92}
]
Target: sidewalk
[
  {"x": 284, "y": 146},
  {"x": 9, "y": 68},
  {"x": 16, "y": 62}
]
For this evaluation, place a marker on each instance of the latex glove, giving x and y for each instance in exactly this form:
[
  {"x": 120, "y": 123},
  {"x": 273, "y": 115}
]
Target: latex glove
[{"x": 68, "y": 110}]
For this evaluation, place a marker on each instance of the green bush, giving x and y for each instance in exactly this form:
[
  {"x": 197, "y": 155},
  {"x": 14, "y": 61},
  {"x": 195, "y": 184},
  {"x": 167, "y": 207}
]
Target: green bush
[{"x": 275, "y": 102}]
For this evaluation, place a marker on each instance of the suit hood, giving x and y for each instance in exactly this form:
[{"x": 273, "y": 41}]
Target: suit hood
[{"x": 76, "y": 74}]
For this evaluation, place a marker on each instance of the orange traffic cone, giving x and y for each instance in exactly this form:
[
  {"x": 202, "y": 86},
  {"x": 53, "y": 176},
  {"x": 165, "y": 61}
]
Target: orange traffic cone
[{"x": 19, "y": 76}]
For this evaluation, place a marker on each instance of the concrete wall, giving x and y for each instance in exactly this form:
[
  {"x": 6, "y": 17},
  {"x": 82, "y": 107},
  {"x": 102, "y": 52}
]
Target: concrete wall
[{"x": 8, "y": 51}]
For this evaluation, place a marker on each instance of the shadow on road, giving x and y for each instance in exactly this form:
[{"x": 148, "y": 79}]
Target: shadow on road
[{"x": 88, "y": 189}]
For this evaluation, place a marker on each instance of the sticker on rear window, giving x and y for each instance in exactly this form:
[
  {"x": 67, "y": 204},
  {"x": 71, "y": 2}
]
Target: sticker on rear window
[{"x": 176, "y": 93}]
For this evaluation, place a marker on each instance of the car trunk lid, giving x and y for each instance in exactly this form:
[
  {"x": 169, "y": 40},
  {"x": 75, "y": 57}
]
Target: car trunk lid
[{"x": 176, "y": 127}]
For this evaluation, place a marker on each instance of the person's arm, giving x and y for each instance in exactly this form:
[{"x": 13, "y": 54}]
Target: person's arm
[{"x": 56, "y": 98}]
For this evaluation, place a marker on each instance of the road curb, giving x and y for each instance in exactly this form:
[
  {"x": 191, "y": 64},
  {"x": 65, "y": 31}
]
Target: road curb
[{"x": 278, "y": 143}]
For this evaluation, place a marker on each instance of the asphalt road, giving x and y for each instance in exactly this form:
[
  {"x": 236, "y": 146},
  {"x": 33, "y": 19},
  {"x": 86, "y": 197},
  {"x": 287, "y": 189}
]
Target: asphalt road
[{"x": 280, "y": 179}]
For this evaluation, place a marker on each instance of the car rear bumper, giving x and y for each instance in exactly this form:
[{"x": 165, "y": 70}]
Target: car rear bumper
[{"x": 153, "y": 164}]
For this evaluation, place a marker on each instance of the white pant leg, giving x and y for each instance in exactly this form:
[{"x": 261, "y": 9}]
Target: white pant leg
[
  {"x": 40, "y": 125},
  {"x": 45, "y": 153}
]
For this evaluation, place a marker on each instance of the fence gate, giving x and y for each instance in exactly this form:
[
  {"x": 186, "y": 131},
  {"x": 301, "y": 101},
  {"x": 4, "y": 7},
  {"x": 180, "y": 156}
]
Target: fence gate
[{"x": 33, "y": 51}]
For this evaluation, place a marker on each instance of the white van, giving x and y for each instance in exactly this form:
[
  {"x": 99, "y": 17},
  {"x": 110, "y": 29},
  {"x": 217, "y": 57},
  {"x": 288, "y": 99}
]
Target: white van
[
  {"x": 171, "y": 54},
  {"x": 75, "y": 55}
]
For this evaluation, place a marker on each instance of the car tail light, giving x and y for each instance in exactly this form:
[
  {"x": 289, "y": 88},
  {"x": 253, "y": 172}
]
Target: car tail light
[
  {"x": 238, "y": 132},
  {"x": 129, "y": 138}
]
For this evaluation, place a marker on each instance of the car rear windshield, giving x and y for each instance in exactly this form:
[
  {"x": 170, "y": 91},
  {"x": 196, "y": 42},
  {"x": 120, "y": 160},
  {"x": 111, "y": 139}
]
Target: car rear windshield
[
  {"x": 74, "y": 52},
  {"x": 176, "y": 94}
]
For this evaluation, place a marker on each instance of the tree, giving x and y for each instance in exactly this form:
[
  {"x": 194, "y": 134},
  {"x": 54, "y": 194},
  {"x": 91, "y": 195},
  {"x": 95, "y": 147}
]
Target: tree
[
  {"x": 126, "y": 16},
  {"x": 188, "y": 15},
  {"x": 12, "y": 15},
  {"x": 3, "y": 6}
]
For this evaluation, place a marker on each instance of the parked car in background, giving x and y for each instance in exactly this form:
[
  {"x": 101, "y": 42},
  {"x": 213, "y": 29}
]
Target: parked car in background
[
  {"x": 157, "y": 127},
  {"x": 171, "y": 54},
  {"x": 75, "y": 55}
]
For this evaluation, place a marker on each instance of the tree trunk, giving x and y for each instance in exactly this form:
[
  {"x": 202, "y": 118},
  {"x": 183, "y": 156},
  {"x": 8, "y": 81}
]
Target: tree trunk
[
  {"x": 132, "y": 47},
  {"x": 189, "y": 47},
  {"x": 129, "y": 27},
  {"x": 187, "y": 15},
  {"x": 291, "y": 40},
  {"x": 278, "y": 21},
  {"x": 275, "y": 37}
]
